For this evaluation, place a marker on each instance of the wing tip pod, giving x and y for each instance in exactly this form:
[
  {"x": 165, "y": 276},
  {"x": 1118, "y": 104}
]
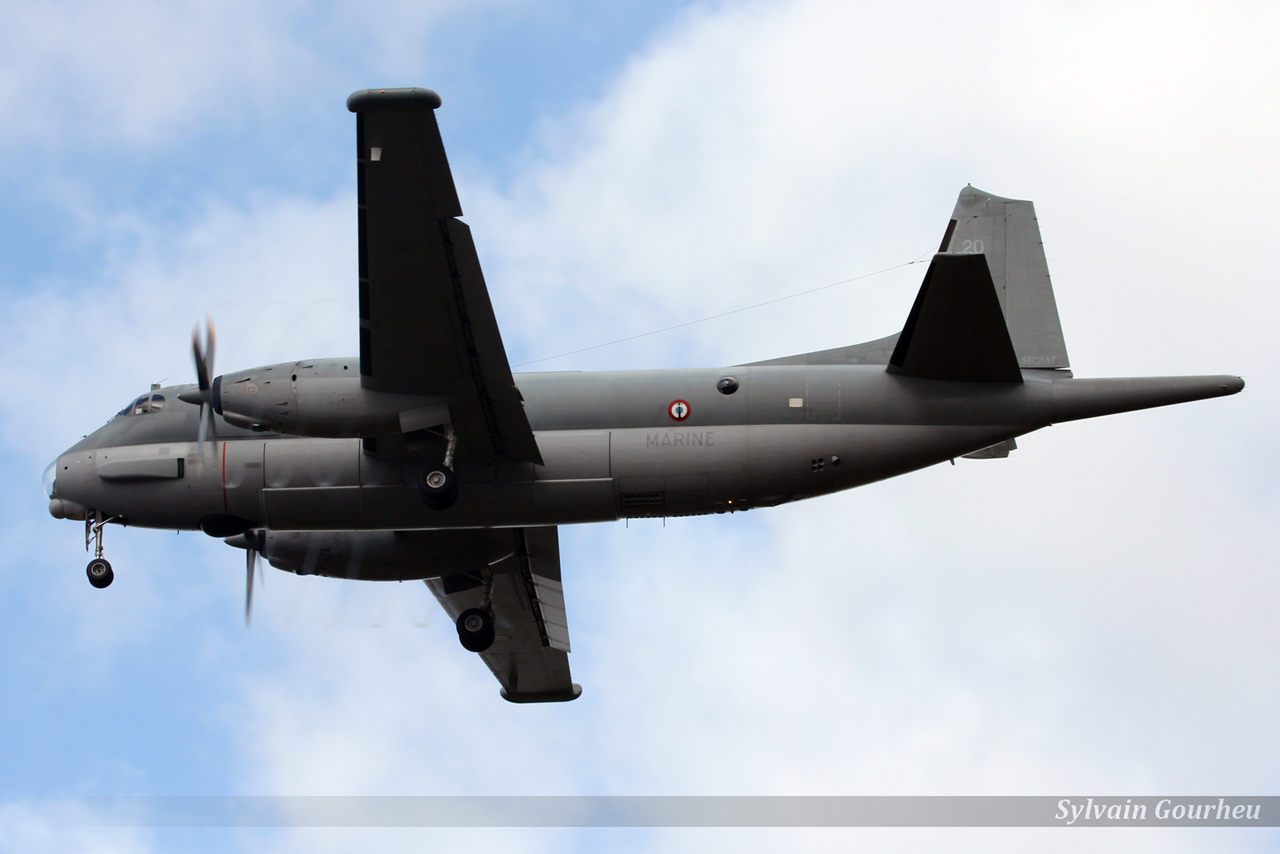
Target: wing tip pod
[
  {"x": 364, "y": 100},
  {"x": 574, "y": 692}
]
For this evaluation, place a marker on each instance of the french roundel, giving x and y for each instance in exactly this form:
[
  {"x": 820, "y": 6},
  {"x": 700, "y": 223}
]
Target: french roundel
[{"x": 678, "y": 410}]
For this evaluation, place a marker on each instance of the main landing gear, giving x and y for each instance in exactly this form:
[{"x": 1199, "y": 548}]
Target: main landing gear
[
  {"x": 438, "y": 485},
  {"x": 475, "y": 629},
  {"x": 98, "y": 570},
  {"x": 475, "y": 625}
]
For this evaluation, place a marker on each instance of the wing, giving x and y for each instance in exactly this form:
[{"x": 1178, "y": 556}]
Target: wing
[
  {"x": 426, "y": 323},
  {"x": 529, "y": 656}
]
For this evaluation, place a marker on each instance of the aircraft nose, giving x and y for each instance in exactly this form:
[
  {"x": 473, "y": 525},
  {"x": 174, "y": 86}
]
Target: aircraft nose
[{"x": 60, "y": 508}]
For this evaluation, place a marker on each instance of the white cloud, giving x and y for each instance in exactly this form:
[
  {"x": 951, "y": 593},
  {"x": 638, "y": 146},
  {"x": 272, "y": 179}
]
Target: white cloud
[
  {"x": 145, "y": 74},
  {"x": 771, "y": 147},
  {"x": 65, "y": 828},
  {"x": 275, "y": 275}
]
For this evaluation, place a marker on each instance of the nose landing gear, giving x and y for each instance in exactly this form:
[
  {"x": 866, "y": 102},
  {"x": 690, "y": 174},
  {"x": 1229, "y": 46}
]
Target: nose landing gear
[{"x": 98, "y": 570}]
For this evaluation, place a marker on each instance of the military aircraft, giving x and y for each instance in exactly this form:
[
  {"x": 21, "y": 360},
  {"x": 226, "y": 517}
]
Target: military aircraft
[{"x": 424, "y": 457}]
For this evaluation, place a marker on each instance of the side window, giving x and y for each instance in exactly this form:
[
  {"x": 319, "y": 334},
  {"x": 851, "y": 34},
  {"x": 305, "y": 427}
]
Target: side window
[{"x": 157, "y": 402}]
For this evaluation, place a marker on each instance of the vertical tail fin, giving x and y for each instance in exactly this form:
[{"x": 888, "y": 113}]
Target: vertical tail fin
[{"x": 1006, "y": 231}]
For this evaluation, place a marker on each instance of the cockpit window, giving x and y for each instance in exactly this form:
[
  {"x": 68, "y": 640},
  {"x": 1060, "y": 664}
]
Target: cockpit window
[
  {"x": 50, "y": 476},
  {"x": 143, "y": 405}
]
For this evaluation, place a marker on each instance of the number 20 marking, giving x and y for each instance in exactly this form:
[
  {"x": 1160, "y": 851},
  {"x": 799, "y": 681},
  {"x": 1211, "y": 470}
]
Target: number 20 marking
[{"x": 972, "y": 246}]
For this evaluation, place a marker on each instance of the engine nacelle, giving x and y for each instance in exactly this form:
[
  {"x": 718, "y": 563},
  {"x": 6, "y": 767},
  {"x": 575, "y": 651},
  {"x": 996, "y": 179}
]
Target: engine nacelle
[
  {"x": 375, "y": 555},
  {"x": 321, "y": 398}
]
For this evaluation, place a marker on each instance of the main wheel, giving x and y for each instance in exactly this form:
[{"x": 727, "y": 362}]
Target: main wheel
[
  {"x": 475, "y": 629},
  {"x": 99, "y": 572},
  {"x": 438, "y": 487}
]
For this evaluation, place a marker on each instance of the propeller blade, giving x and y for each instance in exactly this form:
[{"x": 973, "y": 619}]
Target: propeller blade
[
  {"x": 210, "y": 342},
  {"x": 208, "y": 430},
  {"x": 251, "y": 558},
  {"x": 204, "y": 374},
  {"x": 200, "y": 432},
  {"x": 204, "y": 355}
]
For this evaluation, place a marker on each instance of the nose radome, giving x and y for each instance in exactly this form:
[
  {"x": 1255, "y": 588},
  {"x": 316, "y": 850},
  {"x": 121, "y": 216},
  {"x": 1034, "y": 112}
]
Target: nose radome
[{"x": 60, "y": 508}]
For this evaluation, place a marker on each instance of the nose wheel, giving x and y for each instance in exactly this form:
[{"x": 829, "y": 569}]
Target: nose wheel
[
  {"x": 100, "y": 574},
  {"x": 98, "y": 570}
]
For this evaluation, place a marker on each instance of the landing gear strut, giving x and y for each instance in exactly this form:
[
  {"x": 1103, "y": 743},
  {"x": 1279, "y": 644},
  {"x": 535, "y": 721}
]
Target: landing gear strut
[
  {"x": 438, "y": 485},
  {"x": 98, "y": 570}
]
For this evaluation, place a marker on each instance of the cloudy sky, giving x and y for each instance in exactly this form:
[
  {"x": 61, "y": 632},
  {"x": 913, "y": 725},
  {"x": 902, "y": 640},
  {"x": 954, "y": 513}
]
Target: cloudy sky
[{"x": 1093, "y": 615}]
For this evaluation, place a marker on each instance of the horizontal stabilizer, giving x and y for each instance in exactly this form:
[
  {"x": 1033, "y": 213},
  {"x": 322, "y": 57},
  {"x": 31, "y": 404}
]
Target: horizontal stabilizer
[
  {"x": 998, "y": 451},
  {"x": 956, "y": 330}
]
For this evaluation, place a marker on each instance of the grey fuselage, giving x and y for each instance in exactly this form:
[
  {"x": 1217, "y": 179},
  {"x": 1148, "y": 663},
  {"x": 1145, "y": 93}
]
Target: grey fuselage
[{"x": 610, "y": 444}]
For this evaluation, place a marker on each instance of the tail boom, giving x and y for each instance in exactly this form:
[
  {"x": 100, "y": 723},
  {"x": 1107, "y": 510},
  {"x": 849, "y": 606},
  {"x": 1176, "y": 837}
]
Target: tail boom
[{"x": 1075, "y": 399}]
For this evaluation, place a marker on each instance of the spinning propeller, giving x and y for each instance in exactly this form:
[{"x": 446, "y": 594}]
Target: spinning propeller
[
  {"x": 203, "y": 394},
  {"x": 254, "y": 539}
]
